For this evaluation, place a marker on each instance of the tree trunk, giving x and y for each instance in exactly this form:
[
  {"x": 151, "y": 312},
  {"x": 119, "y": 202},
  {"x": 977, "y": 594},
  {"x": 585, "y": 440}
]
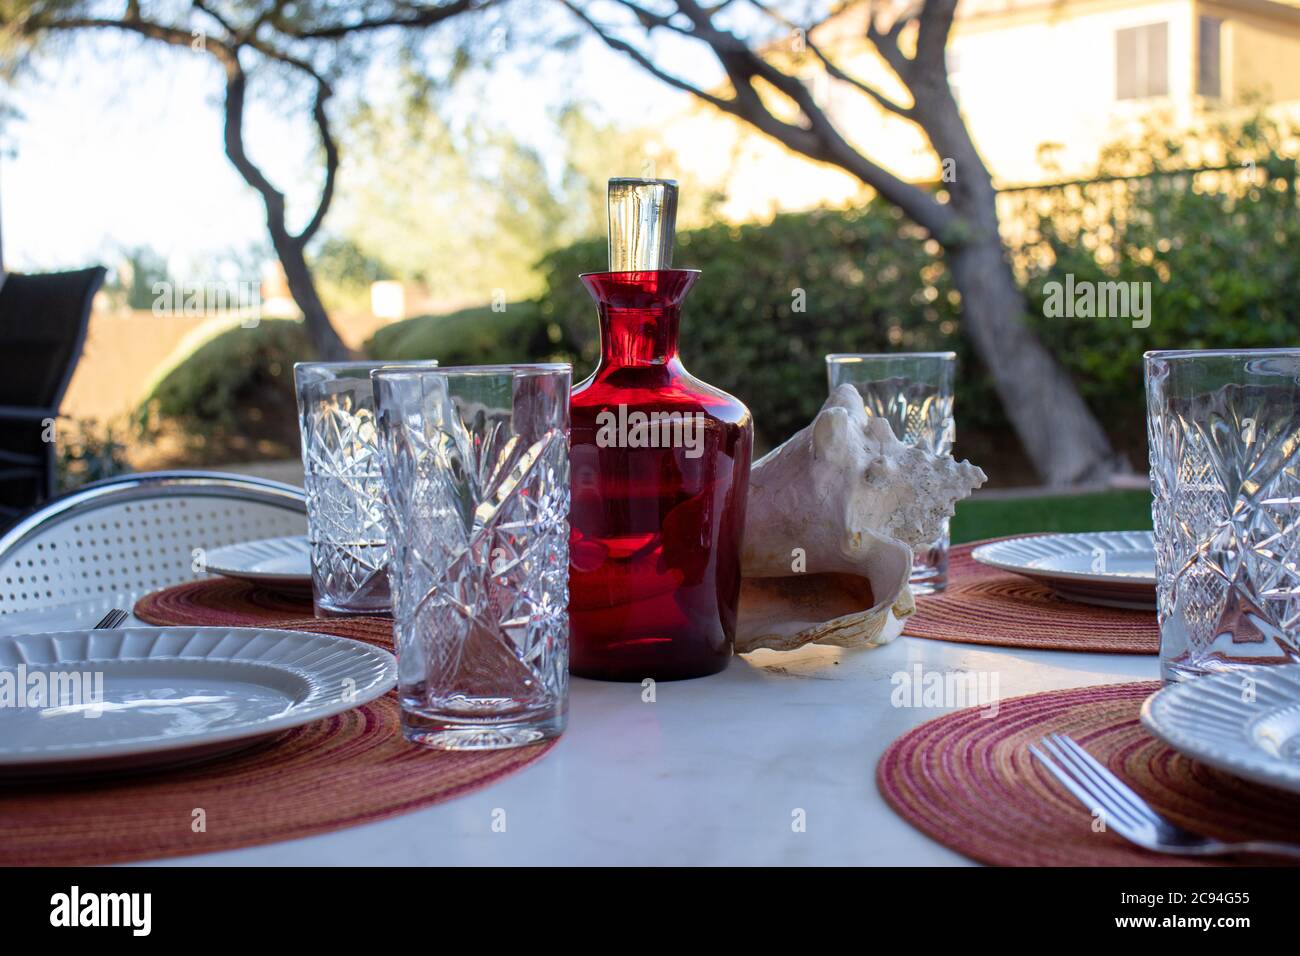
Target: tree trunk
[
  {"x": 288, "y": 247},
  {"x": 1058, "y": 431},
  {"x": 329, "y": 347}
]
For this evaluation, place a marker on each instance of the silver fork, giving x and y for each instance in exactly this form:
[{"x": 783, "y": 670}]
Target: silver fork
[
  {"x": 112, "y": 619},
  {"x": 1128, "y": 814}
]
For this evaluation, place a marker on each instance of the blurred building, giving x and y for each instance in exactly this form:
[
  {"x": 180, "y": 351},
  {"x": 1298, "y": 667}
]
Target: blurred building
[{"x": 1043, "y": 84}]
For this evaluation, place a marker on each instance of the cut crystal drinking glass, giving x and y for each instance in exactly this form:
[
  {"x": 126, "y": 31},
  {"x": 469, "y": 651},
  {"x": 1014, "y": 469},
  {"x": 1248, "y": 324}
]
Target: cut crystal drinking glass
[
  {"x": 340, "y": 460},
  {"x": 913, "y": 392},
  {"x": 476, "y": 467},
  {"x": 1224, "y": 433}
]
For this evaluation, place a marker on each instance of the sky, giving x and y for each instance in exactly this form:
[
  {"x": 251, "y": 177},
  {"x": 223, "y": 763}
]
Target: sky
[{"x": 118, "y": 145}]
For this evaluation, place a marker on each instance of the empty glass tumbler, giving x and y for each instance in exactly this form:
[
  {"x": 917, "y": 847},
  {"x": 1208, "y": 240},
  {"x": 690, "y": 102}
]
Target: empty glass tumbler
[
  {"x": 1224, "y": 434},
  {"x": 913, "y": 392},
  {"x": 340, "y": 461},
  {"x": 476, "y": 466}
]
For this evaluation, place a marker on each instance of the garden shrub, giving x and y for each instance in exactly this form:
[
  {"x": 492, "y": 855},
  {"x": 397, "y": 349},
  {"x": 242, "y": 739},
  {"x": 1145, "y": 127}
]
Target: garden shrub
[
  {"x": 88, "y": 450},
  {"x": 477, "y": 336},
  {"x": 868, "y": 281},
  {"x": 1219, "y": 250},
  {"x": 233, "y": 399},
  {"x": 1217, "y": 247}
]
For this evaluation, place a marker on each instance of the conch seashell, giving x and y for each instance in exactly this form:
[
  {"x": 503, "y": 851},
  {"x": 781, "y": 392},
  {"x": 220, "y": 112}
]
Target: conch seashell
[{"x": 831, "y": 520}]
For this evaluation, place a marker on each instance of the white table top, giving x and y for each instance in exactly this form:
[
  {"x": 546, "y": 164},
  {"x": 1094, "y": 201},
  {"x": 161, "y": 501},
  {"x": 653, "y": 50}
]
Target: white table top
[{"x": 712, "y": 772}]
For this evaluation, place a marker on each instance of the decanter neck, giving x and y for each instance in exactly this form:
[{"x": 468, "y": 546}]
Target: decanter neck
[{"x": 639, "y": 314}]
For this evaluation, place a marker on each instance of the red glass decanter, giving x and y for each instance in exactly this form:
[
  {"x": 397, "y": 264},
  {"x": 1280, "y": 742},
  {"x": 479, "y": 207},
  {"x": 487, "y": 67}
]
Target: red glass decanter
[{"x": 659, "y": 467}]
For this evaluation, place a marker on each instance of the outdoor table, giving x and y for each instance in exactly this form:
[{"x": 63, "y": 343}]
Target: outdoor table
[{"x": 712, "y": 772}]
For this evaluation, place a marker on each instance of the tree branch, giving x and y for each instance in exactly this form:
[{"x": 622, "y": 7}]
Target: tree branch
[
  {"x": 146, "y": 28},
  {"x": 323, "y": 93},
  {"x": 833, "y": 69},
  {"x": 236, "y": 89},
  {"x": 283, "y": 48},
  {"x": 419, "y": 16},
  {"x": 887, "y": 43},
  {"x": 649, "y": 19},
  {"x": 884, "y": 101},
  {"x": 221, "y": 21},
  {"x": 226, "y": 52},
  {"x": 932, "y": 36},
  {"x": 819, "y": 140},
  {"x": 614, "y": 43}
]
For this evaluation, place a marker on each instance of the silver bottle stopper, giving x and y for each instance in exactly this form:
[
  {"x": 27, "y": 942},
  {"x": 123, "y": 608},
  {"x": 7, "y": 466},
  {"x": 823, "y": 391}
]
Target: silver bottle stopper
[{"x": 642, "y": 224}]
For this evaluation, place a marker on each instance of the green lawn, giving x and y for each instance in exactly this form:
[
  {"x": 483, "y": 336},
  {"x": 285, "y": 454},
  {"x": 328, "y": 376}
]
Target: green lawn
[{"x": 1104, "y": 511}]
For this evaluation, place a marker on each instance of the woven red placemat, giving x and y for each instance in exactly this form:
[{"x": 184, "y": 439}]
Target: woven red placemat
[
  {"x": 222, "y": 602},
  {"x": 983, "y": 605},
  {"x": 339, "y": 772},
  {"x": 969, "y": 782}
]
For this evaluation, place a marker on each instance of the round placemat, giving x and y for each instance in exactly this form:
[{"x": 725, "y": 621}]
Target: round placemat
[
  {"x": 983, "y": 605},
  {"x": 221, "y": 602},
  {"x": 970, "y": 782},
  {"x": 339, "y": 772}
]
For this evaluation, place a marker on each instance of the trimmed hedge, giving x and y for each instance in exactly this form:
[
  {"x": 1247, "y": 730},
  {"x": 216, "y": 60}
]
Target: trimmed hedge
[
  {"x": 477, "y": 336},
  {"x": 1219, "y": 254},
  {"x": 234, "y": 397},
  {"x": 1218, "y": 249}
]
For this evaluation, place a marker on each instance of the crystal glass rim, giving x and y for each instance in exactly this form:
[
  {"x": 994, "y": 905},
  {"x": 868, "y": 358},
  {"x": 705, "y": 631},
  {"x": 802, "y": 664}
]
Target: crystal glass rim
[
  {"x": 308, "y": 375},
  {"x": 1174, "y": 354},
  {"x": 523, "y": 369},
  {"x": 859, "y": 356},
  {"x": 641, "y": 180},
  {"x": 372, "y": 364}
]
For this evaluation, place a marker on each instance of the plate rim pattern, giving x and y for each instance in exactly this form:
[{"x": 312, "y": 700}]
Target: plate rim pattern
[
  {"x": 324, "y": 662},
  {"x": 1192, "y": 718},
  {"x": 226, "y": 560},
  {"x": 1010, "y": 554}
]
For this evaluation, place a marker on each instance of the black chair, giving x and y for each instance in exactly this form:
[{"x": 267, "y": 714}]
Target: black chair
[{"x": 43, "y": 322}]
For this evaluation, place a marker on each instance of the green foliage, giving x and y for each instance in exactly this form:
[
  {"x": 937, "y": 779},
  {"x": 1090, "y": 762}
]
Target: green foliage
[
  {"x": 462, "y": 214},
  {"x": 595, "y": 151},
  {"x": 142, "y": 269},
  {"x": 344, "y": 272},
  {"x": 468, "y": 208},
  {"x": 233, "y": 399},
  {"x": 89, "y": 452},
  {"x": 234, "y": 396},
  {"x": 477, "y": 336},
  {"x": 868, "y": 282},
  {"x": 1217, "y": 247}
]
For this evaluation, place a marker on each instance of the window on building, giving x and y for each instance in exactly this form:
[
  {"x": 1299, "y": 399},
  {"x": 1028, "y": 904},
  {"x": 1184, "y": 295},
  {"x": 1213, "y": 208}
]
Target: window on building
[
  {"x": 1142, "y": 62},
  {"x": 1207, "y": 61}
]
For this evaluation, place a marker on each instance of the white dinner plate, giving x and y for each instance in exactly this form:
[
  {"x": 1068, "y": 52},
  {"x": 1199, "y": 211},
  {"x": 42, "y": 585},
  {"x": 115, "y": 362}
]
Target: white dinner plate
[
  {"x": 282, "y": 562},
  {"x": 1111, "y": 568},
  {"x": 1245, "y": 722},
  {"x": 89, "y": 701}
]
